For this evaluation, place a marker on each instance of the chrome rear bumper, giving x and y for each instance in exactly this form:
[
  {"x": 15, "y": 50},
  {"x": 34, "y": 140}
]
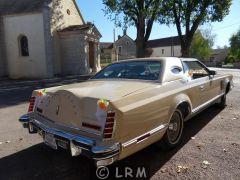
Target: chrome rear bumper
[{"x": 78, "y": 145}]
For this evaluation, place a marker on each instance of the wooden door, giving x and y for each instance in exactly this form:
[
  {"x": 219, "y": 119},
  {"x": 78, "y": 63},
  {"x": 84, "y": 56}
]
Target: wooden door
[{"x": 91, "y": 55}]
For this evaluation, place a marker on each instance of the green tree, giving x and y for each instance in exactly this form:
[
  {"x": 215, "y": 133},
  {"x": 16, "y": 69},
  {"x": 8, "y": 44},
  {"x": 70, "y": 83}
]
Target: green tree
[
  {"x": 139, "y": 13},
  {"x": 235, "y": 45},
  {"x": 188, "y": 15},
  {"x": 201, "y": 46}
]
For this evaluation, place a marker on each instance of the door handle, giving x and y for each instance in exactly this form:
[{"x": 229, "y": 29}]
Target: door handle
[{"x": 202, "y": 88}]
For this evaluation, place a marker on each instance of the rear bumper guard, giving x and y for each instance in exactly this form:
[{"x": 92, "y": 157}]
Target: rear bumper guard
[{"x": 78, "y": 145}]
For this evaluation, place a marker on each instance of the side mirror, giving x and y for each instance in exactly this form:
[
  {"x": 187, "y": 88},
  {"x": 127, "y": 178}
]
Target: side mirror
[{"x": 213, "y": 73}]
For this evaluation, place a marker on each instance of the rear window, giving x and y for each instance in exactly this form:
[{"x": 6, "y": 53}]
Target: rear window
[{"x": 142, "y": 70}]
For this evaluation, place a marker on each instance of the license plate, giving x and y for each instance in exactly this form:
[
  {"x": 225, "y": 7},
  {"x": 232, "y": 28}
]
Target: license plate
[{"x": 50, "y": 140}]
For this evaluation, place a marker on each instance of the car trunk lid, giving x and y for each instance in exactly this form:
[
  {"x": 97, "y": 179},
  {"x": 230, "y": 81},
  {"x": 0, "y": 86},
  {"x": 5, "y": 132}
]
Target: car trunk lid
[{"x": 76, "y": 105}]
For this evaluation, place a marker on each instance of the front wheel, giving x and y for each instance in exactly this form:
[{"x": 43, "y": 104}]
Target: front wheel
[
  {"x": 223, "y": 101},
  {"x": 174, "y": 132}
]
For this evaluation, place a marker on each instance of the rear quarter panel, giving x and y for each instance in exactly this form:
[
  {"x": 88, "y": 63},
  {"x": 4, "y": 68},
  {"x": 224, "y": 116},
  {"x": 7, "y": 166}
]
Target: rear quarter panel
[{"x": 146, "y": 110}]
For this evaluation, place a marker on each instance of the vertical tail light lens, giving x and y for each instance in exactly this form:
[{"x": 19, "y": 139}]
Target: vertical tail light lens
[
  {"x": 31, "y": 104},
  {"x": 109, "y": 125}
]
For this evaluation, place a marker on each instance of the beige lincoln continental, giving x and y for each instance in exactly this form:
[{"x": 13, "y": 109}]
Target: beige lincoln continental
[{"x": 125, "y": 107}]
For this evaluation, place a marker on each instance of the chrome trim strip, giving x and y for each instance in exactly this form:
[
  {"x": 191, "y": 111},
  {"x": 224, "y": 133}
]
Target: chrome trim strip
[
  {"x": 152, "y": 132},
  {"x": 78, "y": 129},
  {"x": 105, "y": 149},
  {"x": 195, "y": 110}
]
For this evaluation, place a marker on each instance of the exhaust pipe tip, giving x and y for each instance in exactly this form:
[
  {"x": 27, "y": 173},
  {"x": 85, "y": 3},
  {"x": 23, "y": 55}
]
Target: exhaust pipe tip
[{"x": 24, "y": 120}]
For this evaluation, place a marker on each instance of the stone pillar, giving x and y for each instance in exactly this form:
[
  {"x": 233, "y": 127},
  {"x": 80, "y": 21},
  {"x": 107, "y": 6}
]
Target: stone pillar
[
  {"x": 87, "y": 69},
  {"x": 97, "y": 57}
]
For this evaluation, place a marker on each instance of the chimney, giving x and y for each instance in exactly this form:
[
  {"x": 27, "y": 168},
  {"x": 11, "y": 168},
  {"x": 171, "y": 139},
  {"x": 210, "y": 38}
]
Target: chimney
[
  {"x": 119, "y": 36},
  {"x": 114, "y": 35},
  {"x": 125, "y": 31}
]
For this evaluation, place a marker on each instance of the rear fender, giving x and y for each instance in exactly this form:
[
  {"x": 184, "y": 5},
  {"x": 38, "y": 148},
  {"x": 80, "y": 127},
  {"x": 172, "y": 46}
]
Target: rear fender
[{"x": 177, "y": 101}]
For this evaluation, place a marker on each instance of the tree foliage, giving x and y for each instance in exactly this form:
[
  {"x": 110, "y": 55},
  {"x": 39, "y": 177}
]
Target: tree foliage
[
  {"x": 235, "y": 45},
  {"x": 188, "y": 15},
  {"x": 140, "y": 13},
  {"x": 201, "y": 46}
]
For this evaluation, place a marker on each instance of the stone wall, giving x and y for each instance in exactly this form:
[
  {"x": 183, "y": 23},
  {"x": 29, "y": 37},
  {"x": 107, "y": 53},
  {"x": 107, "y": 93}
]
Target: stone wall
[
  {"x": 48, "y": 40},
  {"x": 3, "y": 59},
  {"x": 31, "y": 26},
  {"x": 74, "y": 54},
  {"x": 64, "y": 13},
  {"x": 106, "y": 55}
]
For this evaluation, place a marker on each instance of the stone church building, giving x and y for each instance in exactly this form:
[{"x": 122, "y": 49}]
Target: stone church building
[{"x": 44, "y": 38}]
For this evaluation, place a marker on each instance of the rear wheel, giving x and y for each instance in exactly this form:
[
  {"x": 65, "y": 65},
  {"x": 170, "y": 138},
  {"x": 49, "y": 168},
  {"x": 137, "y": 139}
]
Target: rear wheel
[{"x": 173, "y": 135}]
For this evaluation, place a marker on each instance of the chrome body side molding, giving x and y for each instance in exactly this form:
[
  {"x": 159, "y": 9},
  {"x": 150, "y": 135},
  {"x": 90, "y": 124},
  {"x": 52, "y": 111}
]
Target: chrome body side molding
[
  {"x": 204, "y": 106},
  {"x": 145, "y": 136}
]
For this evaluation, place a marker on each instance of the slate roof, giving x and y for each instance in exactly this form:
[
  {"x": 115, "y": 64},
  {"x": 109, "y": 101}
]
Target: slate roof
[
  {"x": 126, "y": 36},
  {"x": 106, "y": 45},
  {"x": 169, "y": 41},
  {"x": 83, "y": 27},
  {"x": 78, "y": 27},
  {"x": 21, "y": 6}
]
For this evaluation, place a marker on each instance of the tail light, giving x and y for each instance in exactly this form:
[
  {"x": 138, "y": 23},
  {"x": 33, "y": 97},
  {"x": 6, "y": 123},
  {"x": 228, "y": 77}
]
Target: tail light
[
  {"x": 109, "y": 125},
  {"x": 31, "y": 104}
]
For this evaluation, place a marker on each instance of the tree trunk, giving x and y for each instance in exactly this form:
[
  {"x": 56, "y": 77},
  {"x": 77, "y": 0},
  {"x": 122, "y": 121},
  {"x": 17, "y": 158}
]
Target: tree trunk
[
  {"x": 140, "y": 41},
  {"x": 185, "y": 51},
  {"x": 185, "y": 46},
  {"x": 141, "y": 46}
]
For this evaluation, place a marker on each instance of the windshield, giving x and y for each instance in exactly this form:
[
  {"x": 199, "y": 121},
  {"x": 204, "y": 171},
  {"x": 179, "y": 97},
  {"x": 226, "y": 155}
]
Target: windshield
[{"x": 142, "y": 70}]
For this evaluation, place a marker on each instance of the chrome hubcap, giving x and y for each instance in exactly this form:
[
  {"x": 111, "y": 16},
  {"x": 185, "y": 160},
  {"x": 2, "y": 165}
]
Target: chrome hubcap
[{"x": 174, "y": 128}]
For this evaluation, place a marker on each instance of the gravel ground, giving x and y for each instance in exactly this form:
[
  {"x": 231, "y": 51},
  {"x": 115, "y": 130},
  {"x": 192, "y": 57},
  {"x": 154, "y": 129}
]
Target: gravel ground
[{"x": 210, "y": 148}]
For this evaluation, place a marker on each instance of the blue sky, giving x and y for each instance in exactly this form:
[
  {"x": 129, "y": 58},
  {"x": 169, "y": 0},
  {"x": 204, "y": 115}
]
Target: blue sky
[{"x": 92, "y": 11}]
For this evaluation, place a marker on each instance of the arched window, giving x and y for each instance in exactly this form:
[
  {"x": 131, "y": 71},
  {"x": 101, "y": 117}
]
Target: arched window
[{"x": 23, "y": 46}]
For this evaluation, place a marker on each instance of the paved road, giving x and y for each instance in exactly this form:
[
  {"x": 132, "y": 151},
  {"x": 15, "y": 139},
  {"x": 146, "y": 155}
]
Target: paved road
[{"x": 216, "y": 140}]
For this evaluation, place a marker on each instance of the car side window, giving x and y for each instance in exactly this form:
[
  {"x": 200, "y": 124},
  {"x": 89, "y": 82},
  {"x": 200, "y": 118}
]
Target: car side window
[{"x": 195, "y": 69}]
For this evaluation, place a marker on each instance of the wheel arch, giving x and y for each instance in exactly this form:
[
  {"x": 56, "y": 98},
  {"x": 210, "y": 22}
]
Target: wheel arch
[
  {"x": 183, "y": 103},
  {"x": 228, "y": 87}
]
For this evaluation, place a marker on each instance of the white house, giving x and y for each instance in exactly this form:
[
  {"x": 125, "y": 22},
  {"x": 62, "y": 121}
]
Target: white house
[
  {"x": 165, "y": 47},
  {"x": 43, "y": 38}
]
